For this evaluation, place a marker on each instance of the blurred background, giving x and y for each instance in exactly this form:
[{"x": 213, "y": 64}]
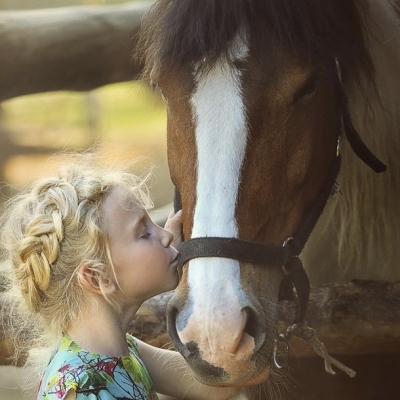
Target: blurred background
[
  {"x": 34, "y": 4},
  {"x": 125, "y": 120}
]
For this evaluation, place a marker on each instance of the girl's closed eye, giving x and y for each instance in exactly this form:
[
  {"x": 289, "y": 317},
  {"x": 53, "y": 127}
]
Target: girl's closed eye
[{"x": 144, "y": 233}]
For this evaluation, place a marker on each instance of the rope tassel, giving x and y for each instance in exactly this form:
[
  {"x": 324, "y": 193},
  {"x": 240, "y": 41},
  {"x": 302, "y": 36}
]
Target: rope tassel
[{"x": 308, "y": 335}]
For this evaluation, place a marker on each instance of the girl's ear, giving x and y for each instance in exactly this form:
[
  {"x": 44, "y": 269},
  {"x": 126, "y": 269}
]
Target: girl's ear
[{"x": 94, "y": 281}]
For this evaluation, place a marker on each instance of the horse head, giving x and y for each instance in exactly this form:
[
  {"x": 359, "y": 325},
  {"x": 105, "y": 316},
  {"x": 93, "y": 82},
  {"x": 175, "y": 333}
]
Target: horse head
[{"x": 255, "y": 116}]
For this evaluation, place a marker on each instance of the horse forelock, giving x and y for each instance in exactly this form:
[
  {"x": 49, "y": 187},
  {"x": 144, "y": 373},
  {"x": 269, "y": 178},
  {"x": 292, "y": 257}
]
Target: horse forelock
[{"x": 177, "y": 33}]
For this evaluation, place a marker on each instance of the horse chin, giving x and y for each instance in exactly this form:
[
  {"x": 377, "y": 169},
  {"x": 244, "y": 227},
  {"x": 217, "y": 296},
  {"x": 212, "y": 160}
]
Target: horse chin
[
  {"x": 237, "y": 379},
  {"x": 238, "y": 376},
  {"x": 242, "y": 373}
]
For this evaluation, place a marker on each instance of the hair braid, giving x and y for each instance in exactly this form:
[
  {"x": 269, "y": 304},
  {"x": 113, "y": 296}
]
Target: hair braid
[{"x": 39, "y": 249}]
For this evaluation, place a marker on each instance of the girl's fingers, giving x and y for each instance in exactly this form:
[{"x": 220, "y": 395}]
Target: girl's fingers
[{"x": 174, "y": 223}]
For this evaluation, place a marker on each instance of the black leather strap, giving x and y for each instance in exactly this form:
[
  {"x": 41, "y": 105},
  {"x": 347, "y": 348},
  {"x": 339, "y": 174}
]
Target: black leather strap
[
  {"x": 236, "y": 249},
  {"x": 357, "y": 145},
  {"x": 297, "y": 277}
]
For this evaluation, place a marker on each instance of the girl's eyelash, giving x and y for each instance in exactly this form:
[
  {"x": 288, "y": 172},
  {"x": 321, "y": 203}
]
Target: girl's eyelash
[{"x": 145, "y": 235}]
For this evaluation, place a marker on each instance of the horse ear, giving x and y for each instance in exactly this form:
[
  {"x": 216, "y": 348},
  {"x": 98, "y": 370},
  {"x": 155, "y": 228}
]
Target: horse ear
[{"x": 95, "y": 281}]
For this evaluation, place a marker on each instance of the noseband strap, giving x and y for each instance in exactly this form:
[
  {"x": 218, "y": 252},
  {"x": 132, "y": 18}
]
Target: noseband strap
[{"x": 236, "y": 249}]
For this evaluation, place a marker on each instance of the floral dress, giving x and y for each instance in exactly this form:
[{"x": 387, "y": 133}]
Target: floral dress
[{"x": 94, "y": 376}]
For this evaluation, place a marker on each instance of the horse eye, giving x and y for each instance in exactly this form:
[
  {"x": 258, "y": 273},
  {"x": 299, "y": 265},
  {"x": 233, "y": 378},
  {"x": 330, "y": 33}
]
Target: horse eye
[
  {"x": 307, "y": 89},
  {"x": 240, "y": 64}
]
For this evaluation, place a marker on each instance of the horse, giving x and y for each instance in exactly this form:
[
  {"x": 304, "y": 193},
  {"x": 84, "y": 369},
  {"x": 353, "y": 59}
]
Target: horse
[{"x": 276, "y": 110}]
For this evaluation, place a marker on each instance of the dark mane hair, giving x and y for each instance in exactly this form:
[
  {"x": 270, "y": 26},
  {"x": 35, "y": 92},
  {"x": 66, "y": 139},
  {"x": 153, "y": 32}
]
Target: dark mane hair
[{"x": 180, "y": 32}]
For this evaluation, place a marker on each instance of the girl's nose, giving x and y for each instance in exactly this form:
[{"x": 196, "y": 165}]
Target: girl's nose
[{"x": 166, "y": 238}]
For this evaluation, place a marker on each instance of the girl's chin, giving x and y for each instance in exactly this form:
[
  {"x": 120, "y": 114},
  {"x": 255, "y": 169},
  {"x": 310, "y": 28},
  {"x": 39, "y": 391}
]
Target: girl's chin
[
  {"x": 173, "y": 285},
  {"x": 170, "y": 283}
]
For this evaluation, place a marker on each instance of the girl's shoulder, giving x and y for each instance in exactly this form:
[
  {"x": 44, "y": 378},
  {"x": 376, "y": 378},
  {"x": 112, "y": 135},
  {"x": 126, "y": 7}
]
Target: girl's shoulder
[
  {"x": 70, "y": 368},
  {"x": 133, "y": 346},
  {"x": 90, "y": 374}
]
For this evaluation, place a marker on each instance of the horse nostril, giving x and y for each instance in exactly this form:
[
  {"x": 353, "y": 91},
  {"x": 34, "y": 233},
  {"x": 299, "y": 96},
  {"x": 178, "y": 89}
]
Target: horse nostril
[
  {"x": 187, "y": 349},
  {"x": 172, "y": 313},
  {"x": 254, "y": 326}
]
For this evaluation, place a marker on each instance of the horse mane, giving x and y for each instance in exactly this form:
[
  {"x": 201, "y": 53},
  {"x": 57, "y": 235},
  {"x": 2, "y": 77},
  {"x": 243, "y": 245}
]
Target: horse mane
[
  {"x": 365, "y": 222},
  {"x": 183, "y": 32}
]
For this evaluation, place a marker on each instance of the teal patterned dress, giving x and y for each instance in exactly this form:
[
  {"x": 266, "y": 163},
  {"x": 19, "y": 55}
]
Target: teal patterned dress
[{"x": 94, "y": 376}]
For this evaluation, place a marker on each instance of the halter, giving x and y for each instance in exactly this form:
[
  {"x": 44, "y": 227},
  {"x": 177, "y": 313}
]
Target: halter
[{"x": 287, "y": 255}]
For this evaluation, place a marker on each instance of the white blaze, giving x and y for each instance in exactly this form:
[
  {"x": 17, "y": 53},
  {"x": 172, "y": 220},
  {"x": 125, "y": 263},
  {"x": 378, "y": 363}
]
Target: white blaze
[{"x": 221, "y": 136}]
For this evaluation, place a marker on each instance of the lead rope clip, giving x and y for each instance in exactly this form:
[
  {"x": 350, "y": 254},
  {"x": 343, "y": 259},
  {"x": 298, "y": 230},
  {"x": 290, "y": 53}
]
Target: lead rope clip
[{"x": 308, "y": 335}]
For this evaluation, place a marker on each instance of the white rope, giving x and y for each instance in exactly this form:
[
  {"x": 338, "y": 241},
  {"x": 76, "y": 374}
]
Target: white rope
[{"x": 309, "y": 336}]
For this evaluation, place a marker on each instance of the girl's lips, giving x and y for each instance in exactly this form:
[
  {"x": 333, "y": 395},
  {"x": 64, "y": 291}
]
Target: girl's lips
[{"x": 175, "y": 261}]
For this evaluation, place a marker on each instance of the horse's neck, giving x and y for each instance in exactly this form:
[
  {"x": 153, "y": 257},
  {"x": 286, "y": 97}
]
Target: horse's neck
[
  {"x": 377, "y": 117},
  {"x": 359, "y": 234}
]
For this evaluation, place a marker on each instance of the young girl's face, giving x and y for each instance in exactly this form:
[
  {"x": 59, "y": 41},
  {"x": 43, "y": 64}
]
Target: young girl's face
[{"x": 145, "y": 263}]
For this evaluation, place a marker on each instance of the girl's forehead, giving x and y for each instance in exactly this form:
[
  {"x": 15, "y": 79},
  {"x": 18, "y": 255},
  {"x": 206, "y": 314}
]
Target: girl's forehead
[
  {"x": 124, "y": 196},
  {"x": 121, "y": 213},
  {"x": 120, "y": 198}
]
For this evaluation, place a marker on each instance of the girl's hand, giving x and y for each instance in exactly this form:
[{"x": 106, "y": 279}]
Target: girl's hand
[{"x": 174, "y": 225}]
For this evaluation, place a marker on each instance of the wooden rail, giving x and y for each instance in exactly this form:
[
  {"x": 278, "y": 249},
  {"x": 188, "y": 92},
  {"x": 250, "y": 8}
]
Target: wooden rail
[{"x": 73, "y": 48}]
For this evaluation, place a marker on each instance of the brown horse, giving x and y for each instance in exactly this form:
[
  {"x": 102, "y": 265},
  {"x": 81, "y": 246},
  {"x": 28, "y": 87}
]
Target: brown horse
[{"x": 260, "y": 94}]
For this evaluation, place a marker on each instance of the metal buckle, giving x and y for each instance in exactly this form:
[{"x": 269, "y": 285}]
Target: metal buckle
[
  {"x": 285, "y": 244},
  {"x": 288, "y": 240},
  {"x": 338, "y": 69},
  {"x": 338, "y": 145}
]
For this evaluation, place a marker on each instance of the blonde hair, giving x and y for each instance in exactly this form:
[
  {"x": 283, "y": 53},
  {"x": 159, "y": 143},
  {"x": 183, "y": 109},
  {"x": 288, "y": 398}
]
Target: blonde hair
[{"x": 49, "y": 230}]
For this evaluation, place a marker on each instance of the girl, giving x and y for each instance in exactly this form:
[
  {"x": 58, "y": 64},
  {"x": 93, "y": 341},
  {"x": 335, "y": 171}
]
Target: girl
[{"x": 85, "y": 255}]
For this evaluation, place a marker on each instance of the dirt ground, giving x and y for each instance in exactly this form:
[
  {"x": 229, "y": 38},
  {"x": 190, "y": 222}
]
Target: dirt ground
[{"x": 377, "y": 379}]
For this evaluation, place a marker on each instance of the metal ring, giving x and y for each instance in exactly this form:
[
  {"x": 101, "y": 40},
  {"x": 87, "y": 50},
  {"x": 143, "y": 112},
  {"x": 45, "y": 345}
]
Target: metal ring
[
  {"x": 285, "y": 243},
  {"x": 288, "y": 240},
  {"x": 338, "y": 69},
  {"x": 278, "y": 364},
  {"x": 338, "y": 145}
]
